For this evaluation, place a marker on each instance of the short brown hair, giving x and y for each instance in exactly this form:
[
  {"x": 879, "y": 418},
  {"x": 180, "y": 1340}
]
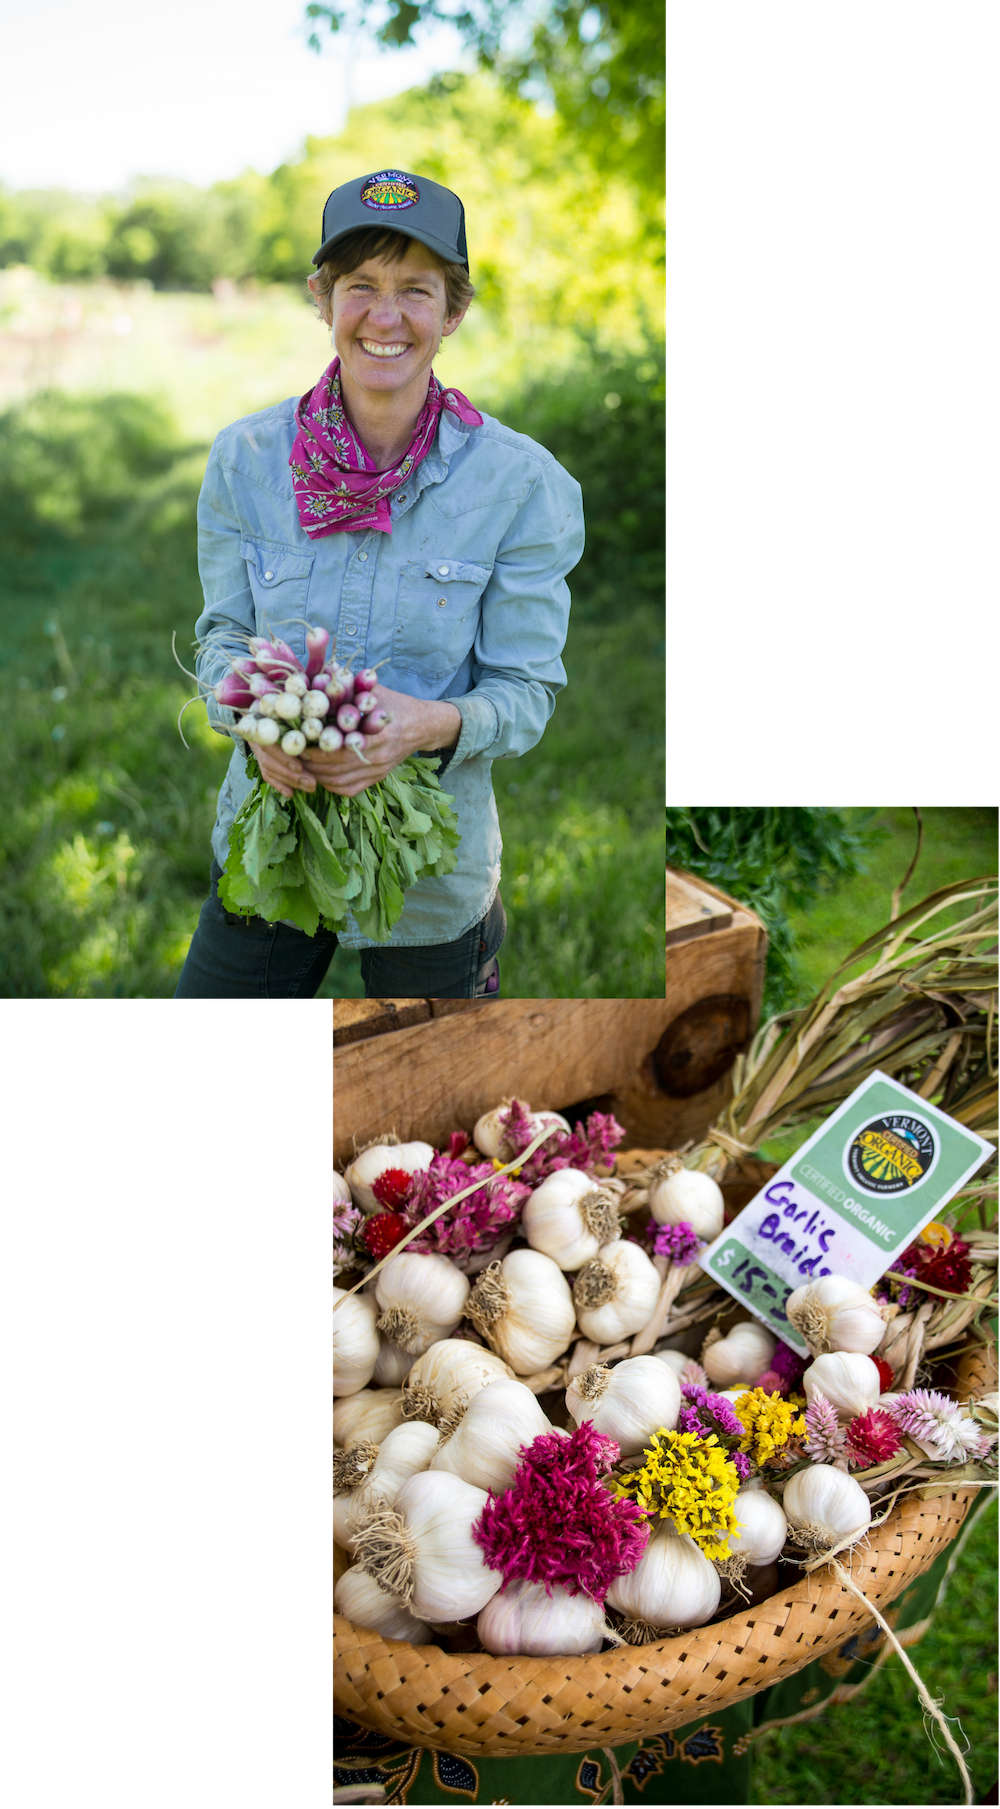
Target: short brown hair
[{"x": 381, "y": 242}]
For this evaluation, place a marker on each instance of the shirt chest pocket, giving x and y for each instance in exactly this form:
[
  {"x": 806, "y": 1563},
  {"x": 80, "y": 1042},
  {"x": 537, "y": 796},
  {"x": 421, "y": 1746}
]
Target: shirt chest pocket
[
  {"x": 437, "y": 614},
  {"x": 279, "y": 579}
]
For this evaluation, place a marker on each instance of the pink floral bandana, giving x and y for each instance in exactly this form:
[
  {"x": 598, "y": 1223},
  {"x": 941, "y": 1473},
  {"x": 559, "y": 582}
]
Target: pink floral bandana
[{"x": 337, "y": 487}]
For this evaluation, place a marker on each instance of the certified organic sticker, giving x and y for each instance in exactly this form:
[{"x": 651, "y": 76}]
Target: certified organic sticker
[
  {"x": 848, "y": 1202},
  {"x": 891, "y": 1154},
  {"x": 390, "y": 190}
]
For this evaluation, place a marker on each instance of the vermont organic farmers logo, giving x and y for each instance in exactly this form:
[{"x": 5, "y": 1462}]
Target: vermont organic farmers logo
[
  {"x": 891, "y": 1154},
  {"x": 389, "y": 191}
]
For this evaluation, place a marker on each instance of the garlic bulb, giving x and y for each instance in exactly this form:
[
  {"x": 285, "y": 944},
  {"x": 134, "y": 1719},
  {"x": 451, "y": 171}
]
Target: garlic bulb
[
  {"x": 392, "y": 1365},
  {"x": 836, "y": 1314},
  {"x": 442, "y": 1382},
  {"x": 486, "y": 1444},
  {"x": 824, "y": 1505},
  {"x": 627, "y": 1403},
  {"x": 524, "y": 1308},
  {"x": 569, "y": 1217},
  {"x": 359, "y": 1599},
  {"x": 523, "y": 1618},
  {"x": 341, "y": 1191},
  {"x": 847, "y": 1379},
  {"x": 423, "y": 1550},
  {"x": 371, "y": 1413},
  {"x": 741, "y": 1356},
  {"x": 355, "y": 1342},
  {"x": 373, "y": 1162},
  {"x": 422, "y": 1299},
  {"x": 615, "y": 1294},
  {"x": 684, "y": 1196},
  {"x": 489, "y": 1133},
  {"x": 762, "y": 1525},
  {"x": 673, "y": 1584},
  {"x": 379, "y": 1471}
]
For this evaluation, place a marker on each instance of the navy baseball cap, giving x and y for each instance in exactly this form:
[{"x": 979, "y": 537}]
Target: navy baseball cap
[{"x": 409, "y": 204}]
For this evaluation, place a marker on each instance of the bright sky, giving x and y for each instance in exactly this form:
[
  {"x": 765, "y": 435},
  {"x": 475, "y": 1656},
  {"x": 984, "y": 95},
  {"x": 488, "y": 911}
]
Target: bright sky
[{"x": 96, "y": 91}]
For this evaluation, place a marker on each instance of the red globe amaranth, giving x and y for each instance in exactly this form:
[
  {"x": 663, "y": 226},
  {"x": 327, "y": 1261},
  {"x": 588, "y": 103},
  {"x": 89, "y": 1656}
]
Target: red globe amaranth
[
  {"x": 382, "y": 1233},
  {"x": 392, "y": 1188},
  {"x": 886, "y": 1374}
]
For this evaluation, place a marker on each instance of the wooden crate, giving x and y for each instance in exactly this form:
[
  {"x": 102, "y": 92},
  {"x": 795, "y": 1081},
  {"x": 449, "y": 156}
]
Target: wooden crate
[{"x": 425, "y": 1067}]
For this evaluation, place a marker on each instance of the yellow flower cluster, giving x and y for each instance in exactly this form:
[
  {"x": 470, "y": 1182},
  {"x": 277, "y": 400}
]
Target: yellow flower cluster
[
  {"x": 769, "y": 1421},
  {"x": 690, "y": 1481}
]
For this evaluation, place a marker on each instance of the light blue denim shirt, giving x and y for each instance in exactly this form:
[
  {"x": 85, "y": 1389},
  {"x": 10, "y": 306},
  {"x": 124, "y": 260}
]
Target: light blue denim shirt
[{"x": 466, "y": 599}]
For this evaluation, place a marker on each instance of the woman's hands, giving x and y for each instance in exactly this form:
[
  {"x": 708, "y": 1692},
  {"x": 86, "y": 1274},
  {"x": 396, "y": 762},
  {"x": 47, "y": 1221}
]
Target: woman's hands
[{"x": 416, "y": 723}]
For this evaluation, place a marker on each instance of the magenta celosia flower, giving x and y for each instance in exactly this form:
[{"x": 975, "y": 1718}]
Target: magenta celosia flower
[
  {"x": 680, "y": 1242},
  {"x": 824, "y": 1437},
  {"x": 557, "y": 1523},
  {"x": 871, "y": 1438},
  {"x": 476, "y": 1223},
  {"x": 586, "y": 1149},
  {"x": 938, "y": 1425},
  {"x": 787, "y": 1368}
]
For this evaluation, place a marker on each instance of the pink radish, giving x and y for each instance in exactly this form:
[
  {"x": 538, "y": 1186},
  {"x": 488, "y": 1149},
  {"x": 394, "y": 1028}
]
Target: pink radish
[
  {"x": 234, "y": 691},
  {"x": 376, "y": 720},
  {"x": 259, "y": 685},
  {"x": 365, "y": 701},
  {"x": 317, "y": 642},
  {"x": 348, "y": 717},
  {"x": 366, "y": 679}
]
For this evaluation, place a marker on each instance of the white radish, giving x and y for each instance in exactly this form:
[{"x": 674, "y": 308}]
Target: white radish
[
  {"x": 268, "y": 731},
  {"x": 297, "y": 684},
  {"x": 331, "y": 740},
  {"x": 294, "y": 742},
  {"x": 314, "y": 703},
  {"x": 288, "y": 706},
  {"x": 311, "y": 728}
]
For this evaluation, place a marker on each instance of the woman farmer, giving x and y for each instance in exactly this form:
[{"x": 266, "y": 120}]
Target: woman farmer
[{"x": 431, "y": 542}]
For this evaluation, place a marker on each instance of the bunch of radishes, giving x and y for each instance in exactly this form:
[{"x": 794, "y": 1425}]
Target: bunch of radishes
[{"x": 286, "y": 703}]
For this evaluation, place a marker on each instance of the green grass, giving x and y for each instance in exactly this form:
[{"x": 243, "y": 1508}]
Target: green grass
[
  {"x": 104, "y": 844},
  {"x": 874, "y": 1749},
  {"x": 957, "y": 844}
]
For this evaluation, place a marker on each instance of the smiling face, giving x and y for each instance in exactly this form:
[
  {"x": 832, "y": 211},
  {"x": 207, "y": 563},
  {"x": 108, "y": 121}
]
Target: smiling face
[{"x": 389, "y": 319}]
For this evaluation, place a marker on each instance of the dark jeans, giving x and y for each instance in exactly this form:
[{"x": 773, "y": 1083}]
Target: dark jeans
[{"x": 245, "y": 958}]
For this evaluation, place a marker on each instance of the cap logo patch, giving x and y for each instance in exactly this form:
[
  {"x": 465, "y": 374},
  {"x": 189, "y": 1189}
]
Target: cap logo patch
[{"x": 389, "y": 191}]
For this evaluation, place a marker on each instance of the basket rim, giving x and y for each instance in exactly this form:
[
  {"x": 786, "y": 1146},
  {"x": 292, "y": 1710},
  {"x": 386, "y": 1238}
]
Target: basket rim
[{"x": 524, "y": 1705}]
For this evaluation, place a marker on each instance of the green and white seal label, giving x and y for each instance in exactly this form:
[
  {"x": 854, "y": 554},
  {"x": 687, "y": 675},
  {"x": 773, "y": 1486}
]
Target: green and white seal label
[{"x": 848, "y": 1202}]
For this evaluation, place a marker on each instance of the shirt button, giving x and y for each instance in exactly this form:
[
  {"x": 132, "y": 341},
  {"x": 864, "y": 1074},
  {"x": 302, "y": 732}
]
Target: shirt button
[
  {"x": 442, "y": 602},
  {"x": 362, "y": 555},
  {"x": 269, "y": 574},
  {"x": 443, "y": 571},
  {"x": 352, "y": 628}
]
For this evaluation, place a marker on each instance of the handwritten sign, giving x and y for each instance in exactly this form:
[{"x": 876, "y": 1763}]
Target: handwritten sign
[{"x": 847, "y": 1203}]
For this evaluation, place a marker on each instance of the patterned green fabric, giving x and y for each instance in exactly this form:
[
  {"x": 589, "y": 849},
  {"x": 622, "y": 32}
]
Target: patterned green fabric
[{"x": 708, "y": 1761}]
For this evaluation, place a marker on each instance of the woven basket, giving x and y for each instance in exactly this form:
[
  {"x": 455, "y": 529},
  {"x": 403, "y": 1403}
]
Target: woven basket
[{"x": 474, "y": 1703}]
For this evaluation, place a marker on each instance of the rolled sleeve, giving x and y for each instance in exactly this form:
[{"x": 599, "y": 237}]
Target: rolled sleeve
[
  {"x": 517, "y": 669},
  {"x": 229, "y": 616}
]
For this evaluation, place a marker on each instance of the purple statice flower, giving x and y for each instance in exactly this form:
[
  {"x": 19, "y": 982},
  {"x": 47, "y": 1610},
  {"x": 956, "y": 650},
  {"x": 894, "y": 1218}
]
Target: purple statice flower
[
  {"x": 680, "y": 1242},
  {"x": 938, "y": 1425},
  {"x": 824, "y": 1438},
  {"x": 476, "y": 1223},
  {"x": 726, "y": 1422},
  {"x": 741, "y": 1464}
]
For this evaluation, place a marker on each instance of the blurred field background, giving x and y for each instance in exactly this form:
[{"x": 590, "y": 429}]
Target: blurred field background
[{"x": 134, "y": 326}]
